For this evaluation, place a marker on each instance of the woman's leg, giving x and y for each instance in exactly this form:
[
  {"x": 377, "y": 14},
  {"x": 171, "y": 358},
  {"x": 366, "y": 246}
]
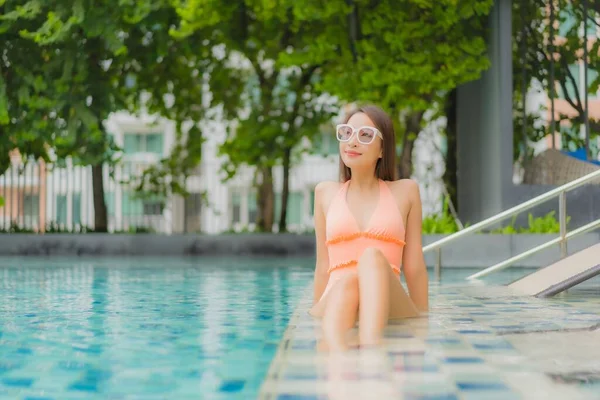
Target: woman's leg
[
  {"x": 381, "y": 297},
  {"x": 340, "y": 313}
]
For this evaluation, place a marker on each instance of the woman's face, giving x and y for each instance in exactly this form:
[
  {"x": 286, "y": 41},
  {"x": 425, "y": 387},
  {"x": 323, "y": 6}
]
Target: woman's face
[{"x": 356, "y": 154}]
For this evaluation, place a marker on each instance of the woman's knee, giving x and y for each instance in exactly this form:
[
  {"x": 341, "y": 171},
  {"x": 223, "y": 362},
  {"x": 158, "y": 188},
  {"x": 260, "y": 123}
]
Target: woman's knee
[
  {"x": 371, "y": 259},
  {"x": 347, "y": 288}
]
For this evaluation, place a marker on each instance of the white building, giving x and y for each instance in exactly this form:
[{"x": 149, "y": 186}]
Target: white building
[
  {"x": 231, "y": 205},
  {"x": 42, "y": 197}
]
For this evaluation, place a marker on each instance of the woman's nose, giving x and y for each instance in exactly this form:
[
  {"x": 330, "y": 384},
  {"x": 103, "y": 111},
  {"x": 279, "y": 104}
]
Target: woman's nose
[{"x": 353, "y": 139}]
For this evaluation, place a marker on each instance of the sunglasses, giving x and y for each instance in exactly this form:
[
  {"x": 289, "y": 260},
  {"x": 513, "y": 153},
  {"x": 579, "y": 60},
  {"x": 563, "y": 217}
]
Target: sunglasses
[{"x": 366, "y": 134}]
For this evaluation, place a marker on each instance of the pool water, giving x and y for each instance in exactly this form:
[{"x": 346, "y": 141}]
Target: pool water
[
  {"x": 142, "y": 328},
  {"x": 204, "y": 328}
]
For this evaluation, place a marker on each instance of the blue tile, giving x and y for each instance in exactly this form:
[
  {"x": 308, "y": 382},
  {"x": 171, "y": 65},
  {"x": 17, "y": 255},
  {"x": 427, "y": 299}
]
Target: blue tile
[
  {"x": 303, "y": 344},
  {"x": 444, "y": 341},
  {"x": 90, "y": 381},
  {"x": 8, "y": 366},
  {"x": 84, "y": 386},
  {"x": 93, "y": 349},
  {"x": 72, "y": 365},
  {"x": 493, "y": 346},
  {"x": 463, "y": 360},
  {"x": 440, "y": 396},
  {"x": 18, "y": 382},
  {"x": 473, "y": 332},
  {"x": 228, "y": 336},
  {"x": 37, "y": 398},
  {"x": 506, "y": 326},
  {"x": 232, "y": 386},
  {"x": 291, "y": 396},
  {"x": 467, "y": 386},
  {"x": 250, "y": 343},
  {"x": 270, "y": 347},
  {"x": 312, "y": 376}
]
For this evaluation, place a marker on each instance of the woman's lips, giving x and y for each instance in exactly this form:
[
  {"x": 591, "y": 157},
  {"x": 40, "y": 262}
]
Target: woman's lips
[{"x": 352, "y": 153}]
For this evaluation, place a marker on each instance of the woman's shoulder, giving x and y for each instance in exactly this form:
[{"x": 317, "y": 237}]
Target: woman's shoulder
[
  {"x": 326, "y": 190},
  {"x": 324, "y": 187},
  {"x": 405, "y": 188}
]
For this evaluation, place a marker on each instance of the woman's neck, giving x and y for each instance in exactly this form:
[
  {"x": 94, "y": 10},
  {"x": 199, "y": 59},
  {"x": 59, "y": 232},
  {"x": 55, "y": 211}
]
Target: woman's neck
[{"x": 364, "y": 182}]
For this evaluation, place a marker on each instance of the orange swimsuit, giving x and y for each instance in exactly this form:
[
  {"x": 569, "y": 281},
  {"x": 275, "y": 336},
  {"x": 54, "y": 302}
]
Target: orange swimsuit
[{"x": 346, "y": 242}]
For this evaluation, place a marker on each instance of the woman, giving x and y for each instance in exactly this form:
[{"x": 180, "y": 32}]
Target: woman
[{"x": 368, "y": 229}]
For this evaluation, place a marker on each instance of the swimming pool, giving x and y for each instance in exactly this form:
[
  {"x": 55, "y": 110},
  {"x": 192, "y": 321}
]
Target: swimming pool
[
  {"x": 150, "y": 328},
  {"x": 142, "y": 328}
]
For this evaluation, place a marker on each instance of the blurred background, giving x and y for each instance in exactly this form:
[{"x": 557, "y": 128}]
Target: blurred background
[{"x": 212, "y": 117}]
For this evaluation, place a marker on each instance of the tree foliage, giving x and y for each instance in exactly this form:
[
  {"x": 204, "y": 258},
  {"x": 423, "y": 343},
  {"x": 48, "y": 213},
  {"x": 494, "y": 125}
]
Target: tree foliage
[
  {"x": 404, "y": 56},
  {"x": 259, "y": 84},
  {"x": 532, "y": 59},
  {"x": 85, "y": 62}
]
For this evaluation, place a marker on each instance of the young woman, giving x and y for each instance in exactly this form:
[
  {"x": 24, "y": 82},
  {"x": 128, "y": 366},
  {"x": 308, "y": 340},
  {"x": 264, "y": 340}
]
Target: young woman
[{"x": 368, "y": 230}]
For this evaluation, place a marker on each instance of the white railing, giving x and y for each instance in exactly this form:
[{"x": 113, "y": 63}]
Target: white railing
[{"x": 560, "y": 191}]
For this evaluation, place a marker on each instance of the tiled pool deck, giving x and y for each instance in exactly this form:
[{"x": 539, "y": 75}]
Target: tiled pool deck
[{"x": 479, "y": 342}]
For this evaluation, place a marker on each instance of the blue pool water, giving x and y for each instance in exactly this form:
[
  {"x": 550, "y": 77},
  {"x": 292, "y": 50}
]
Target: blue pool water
[
  {"x": 145, "y": 328},
  {"x": 142, "y": 329}
]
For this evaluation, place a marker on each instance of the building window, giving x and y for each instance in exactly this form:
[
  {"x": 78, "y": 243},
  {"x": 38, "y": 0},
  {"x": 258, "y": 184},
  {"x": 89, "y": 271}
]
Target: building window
[
  {"x": 109, "y": 200},
  {"x": 568, "y": 21},
  {"x": 236, "y": 207},
  {"x": 152, "y": 207},
  {"x": 61, "y": 209},
  {"x": 570, "y": 84},
  {"x": 294, "y": 208},
  {"x": 192, "y": 212},
  {"x": 76, "y": 204},
  {"x": 577, "y": 72},
  {"x": 143, "y": 143},
  {"x": 136, "y": 206},
  {"x": 252, "y": 207},
  {"x": 31, "y": 205},
  {"x": 130, "y": 205}
]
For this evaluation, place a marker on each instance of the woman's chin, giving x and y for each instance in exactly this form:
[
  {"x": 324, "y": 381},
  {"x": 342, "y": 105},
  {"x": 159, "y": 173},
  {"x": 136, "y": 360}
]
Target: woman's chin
[{"x": 356, "y": 163}]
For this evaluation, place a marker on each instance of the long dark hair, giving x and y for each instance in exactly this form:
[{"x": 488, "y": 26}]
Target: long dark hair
[{"x": 386, "y": 165}]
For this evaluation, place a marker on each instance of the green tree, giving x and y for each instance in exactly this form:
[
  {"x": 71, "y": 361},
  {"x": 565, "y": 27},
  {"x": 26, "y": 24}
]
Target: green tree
[
  {"x": 262, "y": 86},
  {"x": 98, "y": 60},
  {"x": 532, "y": 55},
  {"x": 405, "y": 56},
  {"x": 26, "y": 121}
]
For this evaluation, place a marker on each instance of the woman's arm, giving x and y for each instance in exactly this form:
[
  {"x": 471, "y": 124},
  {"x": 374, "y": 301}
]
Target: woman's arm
[
  {"x": 413, "y": 262},
  {"x": 322, "y": 265}
]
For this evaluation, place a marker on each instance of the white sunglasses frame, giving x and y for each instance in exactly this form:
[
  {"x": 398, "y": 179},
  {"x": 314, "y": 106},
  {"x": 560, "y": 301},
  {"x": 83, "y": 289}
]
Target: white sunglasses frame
[{"x": 355, "y": 131}]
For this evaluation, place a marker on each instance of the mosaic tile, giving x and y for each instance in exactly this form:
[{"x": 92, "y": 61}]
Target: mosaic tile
[
  {"x": 17, "y": 382},
  {"x": 418, "y": 396},
  {"x": 232, "y": 386},
  {"x": 464, "y": 350}
]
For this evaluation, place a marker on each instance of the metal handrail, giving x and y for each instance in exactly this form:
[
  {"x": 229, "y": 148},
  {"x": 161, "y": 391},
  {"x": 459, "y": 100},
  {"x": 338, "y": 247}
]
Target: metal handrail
[
  {"x": 501, "y": 265},
  {"x": 559, "y": 191}
]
